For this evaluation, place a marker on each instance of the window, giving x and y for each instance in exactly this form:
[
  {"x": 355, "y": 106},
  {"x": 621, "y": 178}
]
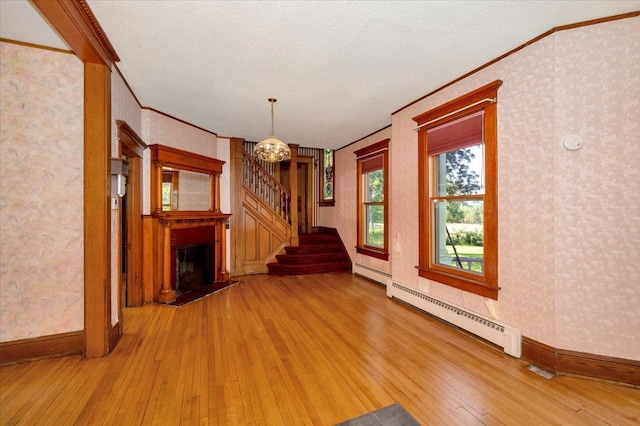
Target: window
[
  {"x": 458, "y": 190},
  {"x": 373, "y": 213},
  {"x": 326, "y": 178}
]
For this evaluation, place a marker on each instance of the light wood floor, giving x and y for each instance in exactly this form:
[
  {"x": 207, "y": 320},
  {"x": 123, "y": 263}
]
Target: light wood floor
[{"x": 314, "y": 349}]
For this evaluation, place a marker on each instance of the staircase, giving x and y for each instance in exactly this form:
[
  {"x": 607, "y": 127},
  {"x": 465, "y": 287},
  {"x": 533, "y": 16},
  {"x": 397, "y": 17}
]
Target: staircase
[{"x": 318, "y": 252}]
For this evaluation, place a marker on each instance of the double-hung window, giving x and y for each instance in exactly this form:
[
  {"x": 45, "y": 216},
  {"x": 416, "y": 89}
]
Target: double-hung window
[
  {"x": 458, "y": 190},
  {"x": 373, "y": 213}
]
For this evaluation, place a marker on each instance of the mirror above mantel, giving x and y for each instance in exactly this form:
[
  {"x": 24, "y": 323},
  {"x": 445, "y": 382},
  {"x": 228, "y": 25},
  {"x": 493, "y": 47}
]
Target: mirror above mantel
[
  {"x": 182, "y": 181},
  {"x": 189, "y": 214}
]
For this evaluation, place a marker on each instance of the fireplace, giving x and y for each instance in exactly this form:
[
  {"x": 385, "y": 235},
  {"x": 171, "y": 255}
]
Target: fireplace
[
  {"x": 190, "y": 248},
  {"x": 195, "y": 267},
  {"x": 193, "y": 256}
]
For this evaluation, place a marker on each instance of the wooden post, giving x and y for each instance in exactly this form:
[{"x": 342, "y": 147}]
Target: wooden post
[
  {"x": 293, "y": 181},
  {"x": 237, "y": 194},
  {"x": 97, "y": 212}
]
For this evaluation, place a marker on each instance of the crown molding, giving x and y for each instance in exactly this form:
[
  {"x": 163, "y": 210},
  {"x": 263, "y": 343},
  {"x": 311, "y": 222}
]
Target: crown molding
[{"x": 74, "y": 21}]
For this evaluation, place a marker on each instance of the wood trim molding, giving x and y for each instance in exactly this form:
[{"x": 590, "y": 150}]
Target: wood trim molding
[
  {"x": 373, "y": 148},
  {"x": 363, "y": 138},
  {"x": 181, "y": 121},
  {"x": 581, "y": 364},
  {"x": 41, "y": 347},
  {"x": 74, "y": 21},
  {"x": 185, "y": 160},
  {"x": 448, "y": 109},
  {"x": 115, "y": 335},
  {"x": 35, "y": 46},
  {"x": 132, "y": 146},
  {"x": 130, "y": 138},
  {"x": 97, "y": 212}
]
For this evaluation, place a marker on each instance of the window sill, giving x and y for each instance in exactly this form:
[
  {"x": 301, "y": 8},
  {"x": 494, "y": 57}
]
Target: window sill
[
  {"x": 378, "y": 254},
  {"x": 475, "y": 287}
]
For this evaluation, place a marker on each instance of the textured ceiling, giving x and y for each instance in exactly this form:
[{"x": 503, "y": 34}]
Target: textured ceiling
[{"x": 338, "y": 69}]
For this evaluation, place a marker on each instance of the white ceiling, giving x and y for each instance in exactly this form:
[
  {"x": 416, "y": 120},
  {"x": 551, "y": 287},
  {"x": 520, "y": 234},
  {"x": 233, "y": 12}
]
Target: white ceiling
[{"x": 338, "y": 68}]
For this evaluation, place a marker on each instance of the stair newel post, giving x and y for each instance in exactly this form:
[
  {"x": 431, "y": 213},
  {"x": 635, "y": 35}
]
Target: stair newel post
[
  {"x": 239, "y": 175},
  {"x": 293, "y": 179}
]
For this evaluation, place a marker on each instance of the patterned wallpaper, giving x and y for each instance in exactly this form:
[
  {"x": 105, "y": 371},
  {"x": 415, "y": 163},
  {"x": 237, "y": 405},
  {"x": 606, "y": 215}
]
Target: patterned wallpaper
[
  {"x": 596, "y": 197},
  {"x": 160, "y": 129},
  {"x": 41, "y": 187},
  {"x": 342, "y": 216},
  {"x": 568, "y": 220}
]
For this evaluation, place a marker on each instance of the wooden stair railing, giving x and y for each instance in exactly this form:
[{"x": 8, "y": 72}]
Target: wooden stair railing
[
  {"x": 264, "y": 213},
  {"x": 263, "y": 185}
]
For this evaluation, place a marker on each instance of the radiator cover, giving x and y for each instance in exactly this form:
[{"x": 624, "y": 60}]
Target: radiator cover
[
  {"x": 370, "y": 273},
  {"x": 503, "y": 335}
]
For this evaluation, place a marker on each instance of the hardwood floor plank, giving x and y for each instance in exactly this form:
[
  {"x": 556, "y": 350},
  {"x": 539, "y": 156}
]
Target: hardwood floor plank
[{"x": 307, "y": 350}]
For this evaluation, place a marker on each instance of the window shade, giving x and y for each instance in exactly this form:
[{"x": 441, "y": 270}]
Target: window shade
[
  {"x": 371, "y": 164},
  {"x": 457, "y": 134}
]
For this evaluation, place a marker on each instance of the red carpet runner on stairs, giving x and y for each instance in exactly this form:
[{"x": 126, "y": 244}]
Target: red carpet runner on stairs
[{"x": 318, "y": 252}]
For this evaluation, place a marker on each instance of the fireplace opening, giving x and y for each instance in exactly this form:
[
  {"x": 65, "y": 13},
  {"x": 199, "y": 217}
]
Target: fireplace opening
[{"x": 194, "y": 267}]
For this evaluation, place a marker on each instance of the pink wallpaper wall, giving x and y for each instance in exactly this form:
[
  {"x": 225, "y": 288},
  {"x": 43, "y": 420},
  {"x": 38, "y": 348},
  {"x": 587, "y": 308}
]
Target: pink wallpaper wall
[
  {"x": 160, "y": 129},
  {"x": 41, "y": 187},
  {"x": 342, "y": 216},
  {"x": 568, "y": 220},
  {"x": 596, "y": 189}
]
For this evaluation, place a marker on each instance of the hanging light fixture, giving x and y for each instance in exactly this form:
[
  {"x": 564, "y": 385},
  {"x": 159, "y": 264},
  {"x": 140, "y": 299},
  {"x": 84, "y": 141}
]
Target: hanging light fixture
[{"x": 272, "y": 149}]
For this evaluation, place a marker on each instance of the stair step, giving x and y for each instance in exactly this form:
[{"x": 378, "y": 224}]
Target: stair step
[
  {"x": 318, "y": 252},
  {"x": 318, "y": 238},
  {"x": 316, "y": 268},
  {"x": 311, "y": 258},
  {"x": 314, "y": 248}
]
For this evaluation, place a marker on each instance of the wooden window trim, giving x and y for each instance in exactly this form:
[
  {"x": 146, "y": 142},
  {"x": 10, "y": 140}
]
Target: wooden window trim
[
  {"x": 378, "y": 148},
  {"x": 486, "y": 285}
]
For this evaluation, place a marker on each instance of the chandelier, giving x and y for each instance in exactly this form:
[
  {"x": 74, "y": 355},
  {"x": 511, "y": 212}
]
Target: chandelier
[{"x": 272, "y": 149}]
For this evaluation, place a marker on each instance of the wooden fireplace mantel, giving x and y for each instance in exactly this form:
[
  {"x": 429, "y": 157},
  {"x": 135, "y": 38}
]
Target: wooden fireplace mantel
[
  {"x": 167, "y": 222},
  {"x": 170, "y": 221},
  {"x": 186, "y": 217}
]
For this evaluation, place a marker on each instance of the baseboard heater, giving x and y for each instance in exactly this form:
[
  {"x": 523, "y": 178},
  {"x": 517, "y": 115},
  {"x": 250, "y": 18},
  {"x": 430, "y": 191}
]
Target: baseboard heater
[
  {"x": 370, "y": 273},
  {"x": 503, "y": 335}
]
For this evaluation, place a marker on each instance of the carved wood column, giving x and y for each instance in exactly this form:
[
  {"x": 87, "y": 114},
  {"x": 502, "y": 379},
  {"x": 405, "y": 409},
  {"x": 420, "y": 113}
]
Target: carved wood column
[
  {"x": 293, "y": 180},
  {"x": 223, "y": 274},
  {"x": 167, "y": 293},
  {"x": 214, "y": 197}
]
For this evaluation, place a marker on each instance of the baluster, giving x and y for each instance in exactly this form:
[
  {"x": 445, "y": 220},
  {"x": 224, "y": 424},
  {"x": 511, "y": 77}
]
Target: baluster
[{"x": 271, "y": 199}]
